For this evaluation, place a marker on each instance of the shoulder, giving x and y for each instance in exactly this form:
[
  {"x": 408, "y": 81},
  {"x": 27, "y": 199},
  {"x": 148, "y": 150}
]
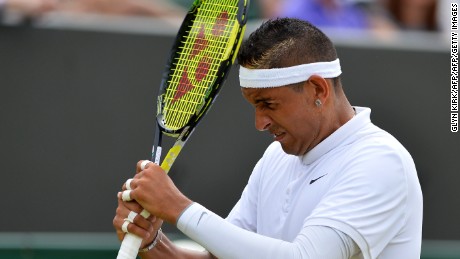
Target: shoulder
[
  {"x": 379, "y": 164},
  {"x": 379, "y": 146}
]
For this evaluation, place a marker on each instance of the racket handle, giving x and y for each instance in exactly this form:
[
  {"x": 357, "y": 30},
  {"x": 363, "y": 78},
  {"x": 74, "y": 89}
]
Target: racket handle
[
  {"x": 129, "y": 247},
  {"x": 131, "y": 243}
]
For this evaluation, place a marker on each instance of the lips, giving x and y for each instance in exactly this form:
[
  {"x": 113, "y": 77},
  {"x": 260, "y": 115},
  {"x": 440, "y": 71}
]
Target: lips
[{"x": 278, "y": 136}]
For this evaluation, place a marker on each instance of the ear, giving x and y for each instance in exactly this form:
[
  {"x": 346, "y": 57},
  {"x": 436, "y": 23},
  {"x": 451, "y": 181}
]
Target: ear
[{"x": 321, "y": 88}]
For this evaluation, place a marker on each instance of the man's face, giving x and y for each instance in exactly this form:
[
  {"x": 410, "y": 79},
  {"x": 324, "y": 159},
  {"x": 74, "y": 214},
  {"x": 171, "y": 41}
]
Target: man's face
[{"x": 289, "y": 115}]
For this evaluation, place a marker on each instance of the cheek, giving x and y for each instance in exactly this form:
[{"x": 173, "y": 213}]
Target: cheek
[
  {"x": 303, "y": 130},
  {"x": 297, "y": 117},
  {"x": 304, "y": 126}
]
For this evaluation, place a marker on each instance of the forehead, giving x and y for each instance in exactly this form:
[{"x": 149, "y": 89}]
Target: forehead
[{"x": 259, "y": 94}]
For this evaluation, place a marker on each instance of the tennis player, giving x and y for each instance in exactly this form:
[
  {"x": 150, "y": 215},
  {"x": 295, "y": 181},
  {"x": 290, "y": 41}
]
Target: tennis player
[{"x": 331, "y": 185}]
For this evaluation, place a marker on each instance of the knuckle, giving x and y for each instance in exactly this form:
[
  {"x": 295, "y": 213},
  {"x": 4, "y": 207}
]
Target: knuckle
[
  {"x": 138, "y": 165},
  {"x": 132, "y": 228},
  {"x": 118, "y": 211},
  {"x": 140, "y": 196},
  {"x": 115, "y": 221},
  {"x": 137, "y": 208}
]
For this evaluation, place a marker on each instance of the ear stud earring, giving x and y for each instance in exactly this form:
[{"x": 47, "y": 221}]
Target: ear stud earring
[{"x": 318, "y": 102}]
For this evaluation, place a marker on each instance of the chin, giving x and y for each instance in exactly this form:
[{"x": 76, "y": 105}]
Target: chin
[
  {"x": 294, "y": 150},
  {"x": 290, "y": 151}
]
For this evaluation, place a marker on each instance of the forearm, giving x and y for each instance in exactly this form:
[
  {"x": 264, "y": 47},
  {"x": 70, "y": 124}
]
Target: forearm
[
  {"x": 167, "y": 249},
  {"x": 225, "y": 240}
]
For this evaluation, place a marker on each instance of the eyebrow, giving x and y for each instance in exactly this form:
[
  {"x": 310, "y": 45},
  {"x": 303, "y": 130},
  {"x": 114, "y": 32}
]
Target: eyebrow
[{"x": 262, "y": 99}]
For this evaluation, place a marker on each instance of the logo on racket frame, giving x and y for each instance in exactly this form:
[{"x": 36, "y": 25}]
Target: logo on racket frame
[{"x": 186, "y": 84}]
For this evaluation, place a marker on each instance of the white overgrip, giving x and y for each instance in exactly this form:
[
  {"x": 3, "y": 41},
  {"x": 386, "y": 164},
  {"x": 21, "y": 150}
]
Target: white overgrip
[
  {"x": 131, "y": 243},
  {"x": 129, "y": 247}
]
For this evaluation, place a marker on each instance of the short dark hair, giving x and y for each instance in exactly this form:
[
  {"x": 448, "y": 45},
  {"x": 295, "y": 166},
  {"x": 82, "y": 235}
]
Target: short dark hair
[{"x": 284, "y": 42}]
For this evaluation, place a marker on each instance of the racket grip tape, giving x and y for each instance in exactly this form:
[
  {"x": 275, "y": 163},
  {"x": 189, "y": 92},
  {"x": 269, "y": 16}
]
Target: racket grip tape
[{"x": 131, "y": 243}]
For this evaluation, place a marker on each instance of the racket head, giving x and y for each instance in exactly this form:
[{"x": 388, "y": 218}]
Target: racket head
[{"x": 203, "y": 52}]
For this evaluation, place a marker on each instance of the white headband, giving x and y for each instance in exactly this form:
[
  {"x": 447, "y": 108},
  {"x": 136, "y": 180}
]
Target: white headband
[{"x": 275, "y": 77}]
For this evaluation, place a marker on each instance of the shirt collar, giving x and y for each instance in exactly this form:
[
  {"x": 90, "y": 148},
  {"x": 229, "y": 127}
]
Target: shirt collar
[{"x": 341, "y": 136}]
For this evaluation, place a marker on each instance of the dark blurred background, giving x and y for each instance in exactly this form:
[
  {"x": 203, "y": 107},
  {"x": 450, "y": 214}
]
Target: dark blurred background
[{"x": 77, "y": 103}]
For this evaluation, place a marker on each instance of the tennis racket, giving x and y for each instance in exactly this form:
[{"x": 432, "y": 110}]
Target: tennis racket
[{"x": 201, "y": 57}]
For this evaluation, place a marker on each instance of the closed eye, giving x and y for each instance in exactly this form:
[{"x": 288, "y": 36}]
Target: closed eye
[{"x": 265, "y": 104}]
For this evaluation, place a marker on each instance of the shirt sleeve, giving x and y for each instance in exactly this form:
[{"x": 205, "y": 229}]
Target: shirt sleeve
[{"x": 226, "y": 240}]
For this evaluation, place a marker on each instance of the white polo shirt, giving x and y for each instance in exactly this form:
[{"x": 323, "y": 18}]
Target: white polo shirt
[{"x": 360, "y": 180}]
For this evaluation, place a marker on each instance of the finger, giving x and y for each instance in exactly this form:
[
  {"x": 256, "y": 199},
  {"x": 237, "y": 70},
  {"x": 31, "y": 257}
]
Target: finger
[
  {"x": 126, "y": 195},
  {"x": 127, "y": 185},
  {"x": 117, "y": 219},
  {"x": 145, "y": 164},
  {"x": 120, "y": 235},
  {"x": 157, "y": 223},
  {"x": 142, "y": 164},
  {"x": 143, "y": 229},
  {"x": 133, "y": 205},
  {"x": 131, "y": 216},
  {"x": 131, "y": 222},
  {"x": 131, "y": 183},
  {"x": 128, "y": 212},
  {"x": 152, "y": 218},
  {"x": 129, "y": 205},
  {"x": 140, "y": 221},
  {"x": 124, "y": 226}
]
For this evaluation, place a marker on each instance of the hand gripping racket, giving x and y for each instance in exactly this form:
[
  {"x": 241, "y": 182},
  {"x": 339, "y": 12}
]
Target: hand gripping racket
[{"x": 201, "y": 57}]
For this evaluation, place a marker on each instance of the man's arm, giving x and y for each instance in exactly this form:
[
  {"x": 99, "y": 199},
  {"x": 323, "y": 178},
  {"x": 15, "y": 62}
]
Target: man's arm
[
  {"x": 229, "y": 241},
  {"x": 225, "y": 240},
  {"x": 156, "y": 193}
]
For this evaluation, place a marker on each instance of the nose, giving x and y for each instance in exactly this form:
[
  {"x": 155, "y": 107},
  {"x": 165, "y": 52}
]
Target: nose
[{"x": 262, "y": 120}]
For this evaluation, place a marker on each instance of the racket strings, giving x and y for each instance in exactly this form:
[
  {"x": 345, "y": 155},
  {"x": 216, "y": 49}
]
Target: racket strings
[{"x": 203, "y": 49}]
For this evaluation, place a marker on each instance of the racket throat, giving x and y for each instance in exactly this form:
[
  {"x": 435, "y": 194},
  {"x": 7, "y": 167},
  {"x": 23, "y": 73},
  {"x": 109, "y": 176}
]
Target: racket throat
[
  {"x": 156, "y": 148},
  {"x": 156, "y": 155}
]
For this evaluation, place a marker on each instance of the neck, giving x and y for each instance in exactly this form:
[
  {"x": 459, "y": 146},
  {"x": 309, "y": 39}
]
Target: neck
[
  {"x": 339, "y": 114},
  {"x": 343, "y": 109}
]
